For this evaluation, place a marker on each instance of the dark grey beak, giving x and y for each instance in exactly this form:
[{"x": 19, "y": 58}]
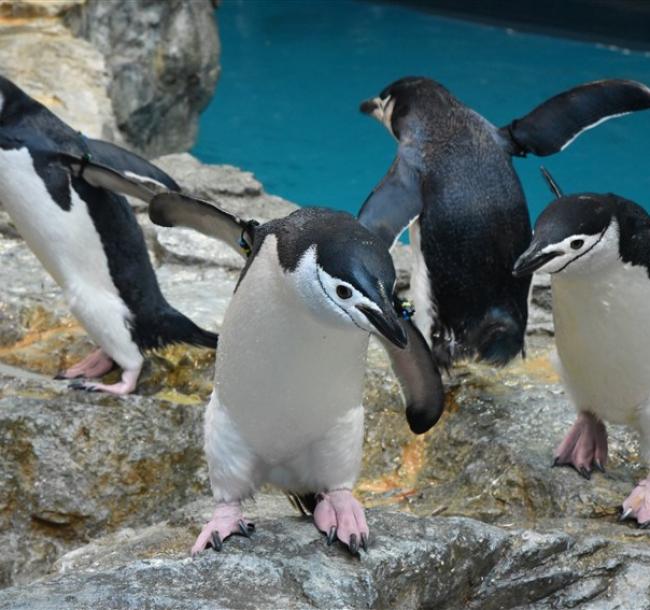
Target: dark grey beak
[
  {"x": 387, "y": 324},
  {"x": 531, "y": 260},
  {"x": 368, "y": 106}
]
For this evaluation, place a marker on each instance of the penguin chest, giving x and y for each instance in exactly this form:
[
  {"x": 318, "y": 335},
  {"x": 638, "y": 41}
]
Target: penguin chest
[
  {"x": 284, "y": 377},
  {"x": 69, "y": 247},
  {"x": 601, "y": 326},
  {"x": 65, "y": 241}
]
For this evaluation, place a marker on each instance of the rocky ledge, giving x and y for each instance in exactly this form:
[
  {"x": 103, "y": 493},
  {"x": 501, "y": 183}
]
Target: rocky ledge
[{"x": 101, "y": 497}]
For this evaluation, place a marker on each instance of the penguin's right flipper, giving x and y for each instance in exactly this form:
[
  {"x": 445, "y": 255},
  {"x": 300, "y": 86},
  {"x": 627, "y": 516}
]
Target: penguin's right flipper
[
  {"x": 176, "y": 209},
  {"x": 553, "y": 125},
  {"x": 419, "y": 377},
  {"x": 394, "y": 203}
]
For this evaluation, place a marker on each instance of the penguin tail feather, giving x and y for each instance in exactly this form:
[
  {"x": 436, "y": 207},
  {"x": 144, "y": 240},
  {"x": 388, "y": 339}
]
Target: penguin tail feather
[
  {"x": 174, "y": 327},
  {"x": 303, "y": 503},
  {"x": 498, "y": 338}
]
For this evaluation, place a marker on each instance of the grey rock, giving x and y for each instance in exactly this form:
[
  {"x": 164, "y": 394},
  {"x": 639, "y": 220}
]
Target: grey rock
[
  {"x": 445, "y": 563},
  {"x": 65, "y": 73},
  {"x": 164, "y": 61},
  {"x": 75, "y": 464}
]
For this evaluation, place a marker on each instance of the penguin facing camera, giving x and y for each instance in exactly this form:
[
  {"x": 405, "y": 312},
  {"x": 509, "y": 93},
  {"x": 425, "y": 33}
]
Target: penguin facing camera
[
  {"x": 453, "y": 183},
  {"x": 88, "y": 240},
  {"x": 597, "y": 250},
  {"x": 287, "y": 403}
]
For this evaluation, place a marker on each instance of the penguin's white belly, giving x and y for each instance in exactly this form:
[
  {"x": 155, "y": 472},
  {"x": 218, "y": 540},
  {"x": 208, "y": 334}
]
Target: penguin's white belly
[
  {"x": 284, "y": 377},
  {"x": 69, "y": 247},
  {"x": 421, "y": 286},
  {"x": 602, "y": 328}
]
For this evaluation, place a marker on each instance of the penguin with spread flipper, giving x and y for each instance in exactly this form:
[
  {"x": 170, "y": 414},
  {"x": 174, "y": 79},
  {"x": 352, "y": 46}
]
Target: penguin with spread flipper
[
  {"x": 453, "y": 183},
  {"x": 287, "y": 403}
]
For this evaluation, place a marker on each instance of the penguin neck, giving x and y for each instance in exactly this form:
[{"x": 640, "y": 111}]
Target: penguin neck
[{"x": 277, "y": 356}]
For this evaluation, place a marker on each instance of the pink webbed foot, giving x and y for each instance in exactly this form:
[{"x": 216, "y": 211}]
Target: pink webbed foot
[
  {"x": 226, "y": 521},
  {"x": 126, "y": 385},
  {"x": 637, "y": 504},
  {"x": 94, "y": 365},
  {"x": 584, "y": 446},
  {"x": 338, "y": 514}
]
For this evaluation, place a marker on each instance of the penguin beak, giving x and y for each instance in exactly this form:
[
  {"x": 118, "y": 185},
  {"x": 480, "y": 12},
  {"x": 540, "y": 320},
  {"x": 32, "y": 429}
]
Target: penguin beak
[
  {"x": 368, "y": 106},
  {"x": 531, "y": 260},
  {"x": 387, "y": 324}
]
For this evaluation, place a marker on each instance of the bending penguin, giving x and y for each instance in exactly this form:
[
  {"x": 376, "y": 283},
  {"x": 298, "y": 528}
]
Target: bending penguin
[
  {"x": 88, "y": 240},
  {"x": 453, "y": 183},
  {"x": 287, "y": 404},
  {"x": 597, "y": 250}
]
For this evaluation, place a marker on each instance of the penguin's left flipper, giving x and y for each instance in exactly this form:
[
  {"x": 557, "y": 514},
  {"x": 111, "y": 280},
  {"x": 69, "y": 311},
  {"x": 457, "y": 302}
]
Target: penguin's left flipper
[
  {"x": 394, "y": 203},
  {"x": 177, "y": 209},
  {"x": 553, "y": 125},
  {"x": 419, "y": 377},
  {"x": 123, "y": 181}
]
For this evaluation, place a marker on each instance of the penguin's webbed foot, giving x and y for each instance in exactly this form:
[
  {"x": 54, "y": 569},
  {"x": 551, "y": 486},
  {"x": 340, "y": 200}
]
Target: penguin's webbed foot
[
  {"x": 637, "y": 504},
  {"x": 126, "y": 385},
  {"x": 585, "y": 446},
  {"x": 338, "y": 514},
  {"x": 96, "y": 364},
  {"x": 226, "y": 521}
]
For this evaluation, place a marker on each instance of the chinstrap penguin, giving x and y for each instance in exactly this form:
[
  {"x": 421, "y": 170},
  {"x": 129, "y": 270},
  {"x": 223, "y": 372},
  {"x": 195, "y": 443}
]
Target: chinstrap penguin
[
  {"x": 88, "y": 239},
  {"x": 597, "y": 250},
  {"x": 453, "y": 182},
  {"x": 287, "y": 404}
]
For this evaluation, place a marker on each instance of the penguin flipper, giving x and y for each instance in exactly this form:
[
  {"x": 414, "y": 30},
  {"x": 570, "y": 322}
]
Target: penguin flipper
[
  {"x": 393, "y": 204},
  {"x": 553, "y": 125},
  {"x": 176, "y": 209},
  {"x": 419, "y": 378},
  {"x": 129, "y": 164},
  {"x": 123, "y": 181}
]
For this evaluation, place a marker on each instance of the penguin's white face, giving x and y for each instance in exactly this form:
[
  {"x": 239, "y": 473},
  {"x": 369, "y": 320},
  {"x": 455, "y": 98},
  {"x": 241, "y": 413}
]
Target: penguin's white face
[
  {"x": 382, "y": 110},
  {"x": 338, "y": 302},
  {"x": 331, "y": 299},
  {"x": 577, "y": 254}
]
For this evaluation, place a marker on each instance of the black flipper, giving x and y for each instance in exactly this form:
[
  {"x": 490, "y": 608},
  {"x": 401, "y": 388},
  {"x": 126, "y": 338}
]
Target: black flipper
[
  {"x": 419, "y": 377},
  {"x": 128, "y": 163},
  {"x": 167, "y": 207},
  {"x": 555, "y": 189},
  {"x": 553, "y": 125},
  {"x": 176, "y": 209},
  {"x": 124, "y": 181},
  {"x": 394, "y": 203}
]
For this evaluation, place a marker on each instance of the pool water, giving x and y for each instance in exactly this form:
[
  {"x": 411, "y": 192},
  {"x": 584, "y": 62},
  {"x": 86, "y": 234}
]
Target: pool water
[{"x": 294, "y": 73}]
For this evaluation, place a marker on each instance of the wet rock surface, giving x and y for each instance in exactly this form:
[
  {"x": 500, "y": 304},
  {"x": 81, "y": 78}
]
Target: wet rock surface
[{"x": 102, "y": 497}]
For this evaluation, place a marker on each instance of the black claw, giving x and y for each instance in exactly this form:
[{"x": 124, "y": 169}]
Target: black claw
[
  {"x": 59, "y": 376},
  {"x": 353, "y": 545},
  {"x": 216, "y": 542},
  {"x": 364, "y": 542},
  {"x": 599, "y": 466},
  {"x": 556, "y": 462},
  {"x": 244, "y": 529},
  {"x": 251, "y": 527},
  {"x": 331, "y": 536},
  {"x": 584, "y": 472}
]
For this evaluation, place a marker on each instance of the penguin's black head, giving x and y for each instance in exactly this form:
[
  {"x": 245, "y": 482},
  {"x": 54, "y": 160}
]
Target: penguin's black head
[
  {"x": 574, "y": 234},
  {"x": 415, "y": 97},
  {"x": 343, "y": 272}
]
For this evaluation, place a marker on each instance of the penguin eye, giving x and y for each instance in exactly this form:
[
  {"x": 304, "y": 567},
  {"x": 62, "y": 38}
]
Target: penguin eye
[
  {"x": 576, "y": 244},
  {"x": 343, "y": 291}
]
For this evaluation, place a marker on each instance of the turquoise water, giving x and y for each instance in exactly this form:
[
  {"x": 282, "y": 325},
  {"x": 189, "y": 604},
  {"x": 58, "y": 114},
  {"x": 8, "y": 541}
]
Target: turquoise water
[{"x": 293, "y": 74}]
